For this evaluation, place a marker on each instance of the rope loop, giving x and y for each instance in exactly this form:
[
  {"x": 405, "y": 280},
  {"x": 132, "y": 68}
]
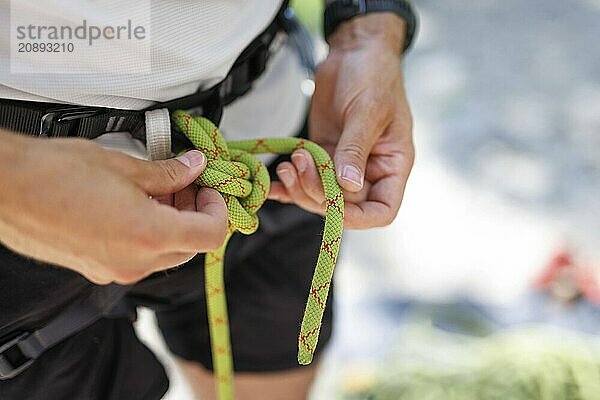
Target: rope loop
[
  {"x": 235, "y": 172},
  {"x": 239, "y": 176}
]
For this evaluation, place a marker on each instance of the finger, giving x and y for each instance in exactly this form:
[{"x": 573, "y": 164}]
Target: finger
[
  {"x": 166, "y": 199},
  {"x": 186, "y": 199},
  {"x": 308, "y": 175},
  {"x": 367, "y": 214},
  {"x": 152, "y": 265},
  {"x": 384, "y": 198},
  {"x": 189, "y": 231},
  {"x": 360, "y": 196},
  {"x": 289, "y": 177},
  {"x": 171, "y": 260},
  {"x": 364, "y": 123},
  {"x": 163, "y": 176},
  {"x": 279, "y": 193},
  {"x": 210, "y": 202}
]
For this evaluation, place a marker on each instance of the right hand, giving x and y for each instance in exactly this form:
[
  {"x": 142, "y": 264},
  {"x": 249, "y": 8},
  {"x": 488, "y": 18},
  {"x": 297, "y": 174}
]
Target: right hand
[{"x": 71, "y": 203}]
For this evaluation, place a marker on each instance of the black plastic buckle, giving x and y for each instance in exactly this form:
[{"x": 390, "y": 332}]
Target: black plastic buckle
[
  {"x": 13, "y": 359},
  {"x": 57, "y": 115}
]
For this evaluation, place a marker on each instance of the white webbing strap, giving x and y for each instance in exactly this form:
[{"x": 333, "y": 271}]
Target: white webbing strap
[{"x": 158, "y": 134}]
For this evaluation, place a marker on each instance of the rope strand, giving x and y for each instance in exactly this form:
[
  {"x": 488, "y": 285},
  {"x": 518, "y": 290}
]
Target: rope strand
[{"x": 244, "y": 183}]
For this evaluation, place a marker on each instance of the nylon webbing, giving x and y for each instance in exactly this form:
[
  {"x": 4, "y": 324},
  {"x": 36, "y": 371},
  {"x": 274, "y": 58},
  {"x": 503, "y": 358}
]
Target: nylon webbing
[{"x": 100, "y": 301}]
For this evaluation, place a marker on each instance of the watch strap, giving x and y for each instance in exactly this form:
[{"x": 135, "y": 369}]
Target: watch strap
[{"x": 340, "y": 11}]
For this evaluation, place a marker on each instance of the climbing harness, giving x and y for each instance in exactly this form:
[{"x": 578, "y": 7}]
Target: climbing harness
[
  {"x": 19, "y": 350},
  {"x": 244, "y": 183},
  {"x": 65, "y": 120}
]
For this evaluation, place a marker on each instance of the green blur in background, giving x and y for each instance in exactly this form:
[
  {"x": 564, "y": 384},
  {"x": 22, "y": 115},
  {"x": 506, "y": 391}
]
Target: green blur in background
[
  {"x": 497, "y": 88},
  {"x": 310, "y": 13}
]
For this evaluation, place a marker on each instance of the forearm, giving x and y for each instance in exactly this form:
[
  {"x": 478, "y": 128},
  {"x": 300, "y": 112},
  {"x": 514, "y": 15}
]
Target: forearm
[{"x": 11, "y": 154}]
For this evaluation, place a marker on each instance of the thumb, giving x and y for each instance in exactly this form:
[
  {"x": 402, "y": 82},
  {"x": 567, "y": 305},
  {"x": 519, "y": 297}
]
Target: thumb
[
  {"x": 170, "y": 176},
  {"x": 352, "y": 153}
]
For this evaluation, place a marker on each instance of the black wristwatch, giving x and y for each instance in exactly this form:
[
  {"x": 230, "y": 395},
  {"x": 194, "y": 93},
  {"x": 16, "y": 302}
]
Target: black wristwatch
[{"x": 342, "y": 10}]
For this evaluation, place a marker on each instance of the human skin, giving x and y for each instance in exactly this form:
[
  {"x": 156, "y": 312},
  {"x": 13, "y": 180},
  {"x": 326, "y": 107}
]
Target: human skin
[
  {"x": 71, "y": 203},
  {"x": 360, "y": 115},
  {"x": 97, "y": 218}
]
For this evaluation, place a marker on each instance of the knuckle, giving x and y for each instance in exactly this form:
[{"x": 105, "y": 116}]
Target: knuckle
[
  {"x": 170, "y": 173},
  {"x": 408, "y": 155},
  {"x": 411, "y": 157},
  {"x": 389, "y": 218},
  {"x": 99, "y": 280},
  {"x": 316, "y": 193},
  {"x": 410, "y": 121},
  {"x": 407, "y": 122},
  {"x": 127, "y": 275},
  {"x": 121, "y": 271},
  {"x": 354, "y": 151},
  {"x": 219, "y": 237},
  {"x": 215, "y": 240},
  {"x": 207, "y": 240},
  {"x": 118, "y": 266},
  {"x": 96, "y": 273}
]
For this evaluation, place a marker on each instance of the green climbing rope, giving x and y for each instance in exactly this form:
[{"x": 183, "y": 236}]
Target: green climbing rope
[{"x": 244, "y": 183}]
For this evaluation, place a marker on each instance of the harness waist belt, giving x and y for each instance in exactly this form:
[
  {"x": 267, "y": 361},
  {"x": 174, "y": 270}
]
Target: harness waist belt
[
  {"x": 56, "y": 120},
  {"x": 63, "y": 120},
  {"x": 21, "y": 351}
]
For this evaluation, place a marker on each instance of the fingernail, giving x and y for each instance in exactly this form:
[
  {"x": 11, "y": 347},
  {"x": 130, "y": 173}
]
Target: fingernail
[
  {"x": 352, "y": 174},
  {"x": 192, "y": 159},
  {"x": 286, "y": 177},
  {"x": 300, "y": 161}
]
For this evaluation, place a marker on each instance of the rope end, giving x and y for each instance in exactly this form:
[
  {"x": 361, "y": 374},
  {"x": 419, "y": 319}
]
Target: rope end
[{"x": 304, "y": 358}]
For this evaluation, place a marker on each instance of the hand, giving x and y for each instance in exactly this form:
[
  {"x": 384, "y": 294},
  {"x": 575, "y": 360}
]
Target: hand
[
  {"x": 360, "y": 115},
  {"x": 71, "y": 203}
]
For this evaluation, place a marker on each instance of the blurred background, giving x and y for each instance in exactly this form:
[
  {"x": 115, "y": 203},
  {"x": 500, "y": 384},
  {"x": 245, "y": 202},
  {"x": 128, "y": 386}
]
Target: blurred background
[{"x": 486, "y": 285}]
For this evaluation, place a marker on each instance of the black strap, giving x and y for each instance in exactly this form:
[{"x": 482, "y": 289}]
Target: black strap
[
  {"x": 340, "y": 11},
  {"x": 57, "y": 120},
  {"x": 48, "y": 119},
  {"x": 103, "y": 301}
]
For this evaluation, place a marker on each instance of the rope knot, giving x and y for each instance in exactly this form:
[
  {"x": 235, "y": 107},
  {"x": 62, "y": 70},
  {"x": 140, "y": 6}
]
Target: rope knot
[
  {"x": 244, "y": 182},
  {"x": 239, "y": 176}
]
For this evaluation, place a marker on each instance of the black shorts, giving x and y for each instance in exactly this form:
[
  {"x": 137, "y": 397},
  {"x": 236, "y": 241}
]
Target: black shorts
[{"x": 267, "y": 276}]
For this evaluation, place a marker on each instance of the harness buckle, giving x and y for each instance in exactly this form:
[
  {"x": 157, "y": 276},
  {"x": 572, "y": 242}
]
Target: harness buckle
[
  {"x": 13, "y": 359},
  {"x": 57, "y": 115}
]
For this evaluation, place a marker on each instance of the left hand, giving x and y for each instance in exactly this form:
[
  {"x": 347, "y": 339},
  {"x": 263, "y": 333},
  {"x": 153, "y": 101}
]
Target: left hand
[{"x": 360, "y": 115}]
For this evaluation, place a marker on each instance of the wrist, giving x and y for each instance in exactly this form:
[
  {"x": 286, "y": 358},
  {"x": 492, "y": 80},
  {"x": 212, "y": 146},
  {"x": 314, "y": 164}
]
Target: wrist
[{"x": 382, "y": 28}]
